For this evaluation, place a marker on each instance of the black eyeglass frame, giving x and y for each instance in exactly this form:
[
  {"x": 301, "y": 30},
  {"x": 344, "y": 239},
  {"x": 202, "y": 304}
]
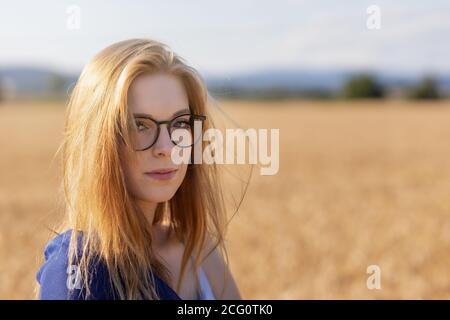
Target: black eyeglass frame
[{"x": 169, "y": 124}]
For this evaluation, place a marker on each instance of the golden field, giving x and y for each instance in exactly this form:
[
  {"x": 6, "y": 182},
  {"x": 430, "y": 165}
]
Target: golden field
[{"x": 360, "y": 183}]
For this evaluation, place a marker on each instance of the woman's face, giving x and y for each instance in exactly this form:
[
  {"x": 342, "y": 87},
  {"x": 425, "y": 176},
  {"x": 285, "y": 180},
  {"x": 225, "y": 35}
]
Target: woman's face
[{"x": 160, "y": 96}]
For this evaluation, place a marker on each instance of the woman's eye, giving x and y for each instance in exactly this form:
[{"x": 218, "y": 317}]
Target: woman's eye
[
  {"x": 182, "y": 124},
  {"x": 141, "y": 126}
]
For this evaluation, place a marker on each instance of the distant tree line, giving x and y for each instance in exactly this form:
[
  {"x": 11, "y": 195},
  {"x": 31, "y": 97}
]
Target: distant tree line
[
  {"x": 426, "y": 89},
  {"x": 231, "y": 92},
  {"x": 1, "y": 90},
  {"x": 358, "y": 86},
  {"x": 363, "y": 86},
  {"x": 367, "y": 86}
]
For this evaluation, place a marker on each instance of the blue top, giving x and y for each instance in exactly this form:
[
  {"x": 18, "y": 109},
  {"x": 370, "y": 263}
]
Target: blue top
[
  {"x": 59, "y": 281},
  {"x": 206, "y": 292}
]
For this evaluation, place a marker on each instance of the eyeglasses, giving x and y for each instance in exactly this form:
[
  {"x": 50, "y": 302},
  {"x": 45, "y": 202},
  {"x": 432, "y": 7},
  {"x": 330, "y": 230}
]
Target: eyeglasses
[{"x": 180, "y": 129}]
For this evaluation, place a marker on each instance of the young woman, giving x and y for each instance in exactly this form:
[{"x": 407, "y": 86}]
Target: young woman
[{"x": 138, "y": 225}]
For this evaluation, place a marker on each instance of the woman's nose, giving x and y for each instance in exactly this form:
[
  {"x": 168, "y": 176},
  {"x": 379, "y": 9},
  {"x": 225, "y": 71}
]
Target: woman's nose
[{"x": 163, "y": 145}]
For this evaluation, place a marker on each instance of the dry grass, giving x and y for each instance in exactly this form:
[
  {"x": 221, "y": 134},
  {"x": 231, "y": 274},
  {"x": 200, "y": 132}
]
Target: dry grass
[{"x": 359, "y": 184}]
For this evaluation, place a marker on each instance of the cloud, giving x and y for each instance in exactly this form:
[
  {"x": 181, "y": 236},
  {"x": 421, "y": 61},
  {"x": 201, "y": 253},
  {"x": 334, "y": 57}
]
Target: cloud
[{"x": 407, "y": 40}]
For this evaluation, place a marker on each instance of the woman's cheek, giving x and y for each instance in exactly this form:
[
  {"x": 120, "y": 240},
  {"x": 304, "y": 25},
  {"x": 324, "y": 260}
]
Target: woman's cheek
[{"x": 183, "y": 170}]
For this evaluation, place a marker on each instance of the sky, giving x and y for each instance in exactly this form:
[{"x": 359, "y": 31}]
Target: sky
[{"x": 226, "y": 37}]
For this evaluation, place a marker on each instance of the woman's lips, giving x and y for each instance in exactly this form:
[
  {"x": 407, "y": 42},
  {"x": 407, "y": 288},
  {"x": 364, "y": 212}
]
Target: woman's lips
[{"x": 162, "y": 174}]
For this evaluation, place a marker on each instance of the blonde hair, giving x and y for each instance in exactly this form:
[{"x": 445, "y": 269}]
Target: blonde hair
[{"x": 96, "y": 198}]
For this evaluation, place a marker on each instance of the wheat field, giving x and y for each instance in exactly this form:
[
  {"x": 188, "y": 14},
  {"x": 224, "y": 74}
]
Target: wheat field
[{"x": 361, "y": 183}]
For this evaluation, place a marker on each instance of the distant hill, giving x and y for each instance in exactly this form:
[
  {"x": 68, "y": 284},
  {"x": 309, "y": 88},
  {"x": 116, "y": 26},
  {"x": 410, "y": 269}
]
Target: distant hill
[
  {"x": 32, "y": 81},
  {"x": 306, "y": 81}
]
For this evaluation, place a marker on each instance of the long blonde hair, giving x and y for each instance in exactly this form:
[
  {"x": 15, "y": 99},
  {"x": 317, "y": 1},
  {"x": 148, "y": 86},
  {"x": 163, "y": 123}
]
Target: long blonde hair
[{"x": 96, "y": 198}]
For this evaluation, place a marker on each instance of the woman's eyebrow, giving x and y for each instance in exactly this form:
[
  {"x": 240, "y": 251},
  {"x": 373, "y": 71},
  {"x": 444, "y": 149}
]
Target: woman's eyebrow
[{"x": 184, "y": 111}]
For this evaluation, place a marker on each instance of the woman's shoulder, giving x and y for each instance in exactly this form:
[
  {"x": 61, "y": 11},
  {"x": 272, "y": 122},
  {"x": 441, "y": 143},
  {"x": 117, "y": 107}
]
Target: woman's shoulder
[
  {"x": 52, "y": 275},
  {"x": 217, "y": 272},
  {"x": 58, "y": 246},
  {"x": 60, "y": 280}
]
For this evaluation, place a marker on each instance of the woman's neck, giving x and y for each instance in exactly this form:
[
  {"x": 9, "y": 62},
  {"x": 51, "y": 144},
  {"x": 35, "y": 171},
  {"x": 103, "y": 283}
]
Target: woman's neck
[{"x": 148, "y": 209}]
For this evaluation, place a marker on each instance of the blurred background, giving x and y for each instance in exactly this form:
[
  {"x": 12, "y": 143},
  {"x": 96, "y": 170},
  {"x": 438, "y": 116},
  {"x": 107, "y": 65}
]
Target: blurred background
[{"x": 359, "y": 90}]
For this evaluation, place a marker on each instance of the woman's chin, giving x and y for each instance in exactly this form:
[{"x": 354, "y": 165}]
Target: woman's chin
[{"x": 160, "y": 197}]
